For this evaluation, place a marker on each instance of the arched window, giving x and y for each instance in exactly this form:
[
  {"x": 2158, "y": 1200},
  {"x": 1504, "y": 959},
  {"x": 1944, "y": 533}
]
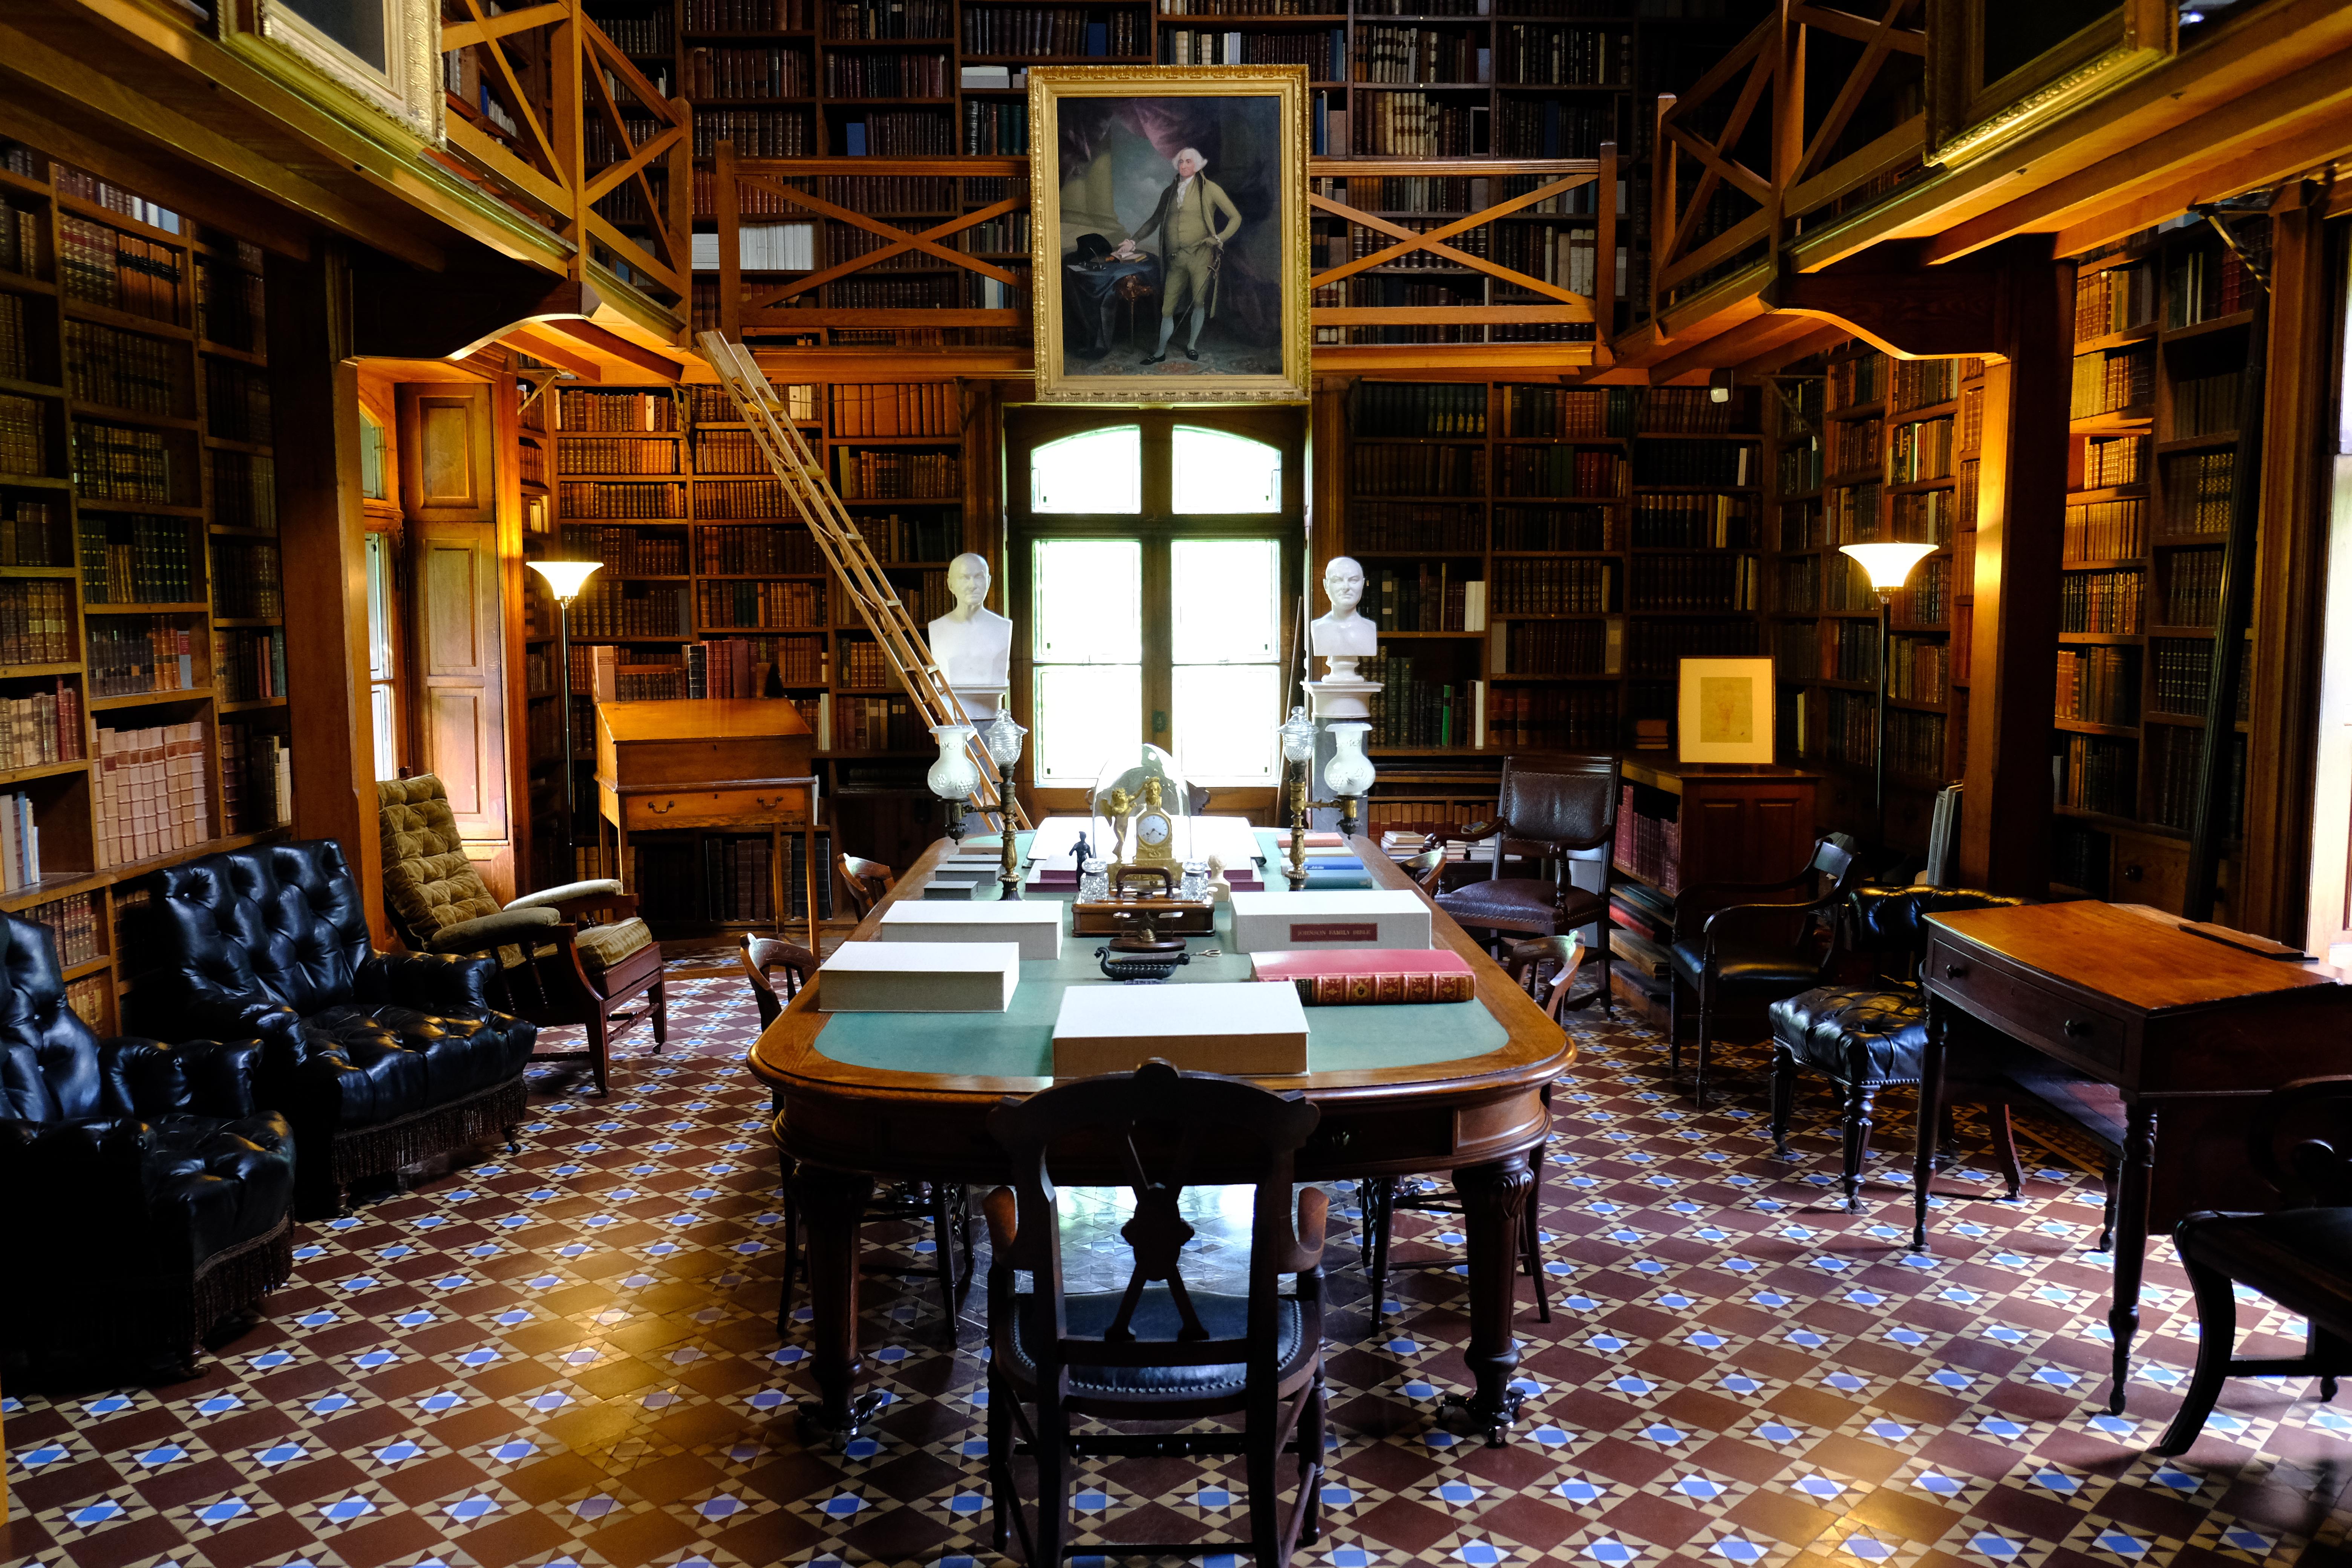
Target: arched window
[{"x": 1095, "y": 471}]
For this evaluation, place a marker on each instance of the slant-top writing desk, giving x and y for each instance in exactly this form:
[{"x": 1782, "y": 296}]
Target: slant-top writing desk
[
  {"x": 720, "y": 763},
  {"x": 1404, "y": 1089},
  {"x": 2180, "y": 1027}
]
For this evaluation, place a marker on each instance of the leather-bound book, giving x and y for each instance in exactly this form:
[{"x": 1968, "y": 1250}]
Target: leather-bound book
[{"x": 1371, "y": 976}]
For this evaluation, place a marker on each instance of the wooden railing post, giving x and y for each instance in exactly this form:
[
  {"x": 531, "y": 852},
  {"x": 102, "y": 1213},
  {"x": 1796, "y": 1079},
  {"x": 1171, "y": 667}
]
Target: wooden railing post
[
  {"x": 1663, "y": 175},
  {"x": 1604, "y": 240},
  {"x": 566, "y": 64},
  {"x": 723, "y": 201},
  {"x": 679, "y": 166},
  {"x": 1788, "y": 127}
]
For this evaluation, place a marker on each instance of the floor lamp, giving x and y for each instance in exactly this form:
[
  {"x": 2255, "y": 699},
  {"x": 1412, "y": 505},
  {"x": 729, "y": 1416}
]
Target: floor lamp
[
  {"x": 1888, "y": 566},
  {"x": 564, "y": 579}
]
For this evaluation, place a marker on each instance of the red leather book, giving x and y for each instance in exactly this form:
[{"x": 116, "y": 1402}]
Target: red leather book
[{"x": 1365, "y": 976}]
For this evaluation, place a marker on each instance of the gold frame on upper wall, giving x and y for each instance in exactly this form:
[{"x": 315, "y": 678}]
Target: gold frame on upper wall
[
  {"x": 1969, "y": 118},
  {"x": 408, "y": 90},
  {"x": 1177, "y": 380}
]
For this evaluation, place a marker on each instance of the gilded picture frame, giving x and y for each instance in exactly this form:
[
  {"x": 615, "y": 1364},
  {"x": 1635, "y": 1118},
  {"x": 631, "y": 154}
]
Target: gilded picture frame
[
  {"x": 405, "y": 88},
  {"x": 1155, "y": 286},
  {"x": 1724, "y": 713},
  {"x": 1997, "y": 74}
]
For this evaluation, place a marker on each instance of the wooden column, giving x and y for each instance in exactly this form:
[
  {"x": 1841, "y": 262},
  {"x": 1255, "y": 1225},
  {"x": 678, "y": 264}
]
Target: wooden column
[
  {"x": 314, "y": 400},
  {"x": 2020, "y": 525},
  {"x": 2290, "y": 577}
]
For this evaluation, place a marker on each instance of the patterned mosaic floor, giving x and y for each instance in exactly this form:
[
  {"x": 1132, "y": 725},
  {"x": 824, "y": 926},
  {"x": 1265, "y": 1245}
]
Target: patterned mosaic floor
[{"x": 569, "y": 1357}]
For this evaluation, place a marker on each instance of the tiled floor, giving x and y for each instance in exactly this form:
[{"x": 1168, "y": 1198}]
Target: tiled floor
[{"x": 570, "y": 1357}]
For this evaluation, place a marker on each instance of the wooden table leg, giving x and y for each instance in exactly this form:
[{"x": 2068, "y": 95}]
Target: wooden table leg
[
  {"x": 1494, "y": 1197},
  {"x": 833, "y": 1209},
  {"x": 2130, "y": 1240},
  {"x": 1930, "y": 1117}
]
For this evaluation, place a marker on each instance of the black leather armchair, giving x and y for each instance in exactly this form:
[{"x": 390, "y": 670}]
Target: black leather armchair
[
  {"x": 378, "y": 1059},
  {"x": 147, "y": 1197}
]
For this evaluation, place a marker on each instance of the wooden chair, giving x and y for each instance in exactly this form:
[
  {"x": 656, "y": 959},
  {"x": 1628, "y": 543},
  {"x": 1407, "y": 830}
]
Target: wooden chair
[
  {"x": 1549, "y": 808},
  {"x": 573, "y": 954},
  {"x": 1736, "y": 941},
  {"x": 865, "y": 882},
  {"x": 2299, "y": 1255},
  {"x": 1426, "y": 869},
  {"x": 1543, "y": 968},
  {"x": 1160, "y": 1349},
  {"x": 777, "y": 970}
]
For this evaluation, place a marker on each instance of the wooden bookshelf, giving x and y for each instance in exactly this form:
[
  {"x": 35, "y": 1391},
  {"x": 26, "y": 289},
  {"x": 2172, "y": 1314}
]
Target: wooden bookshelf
[{"x": 132, "y": 343}]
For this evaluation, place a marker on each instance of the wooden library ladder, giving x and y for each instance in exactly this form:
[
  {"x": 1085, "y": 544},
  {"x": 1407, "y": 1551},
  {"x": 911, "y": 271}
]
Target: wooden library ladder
[{"x": 836, "y": 533}]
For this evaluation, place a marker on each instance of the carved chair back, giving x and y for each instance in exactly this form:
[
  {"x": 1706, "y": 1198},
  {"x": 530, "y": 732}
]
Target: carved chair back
[
  {"x": 764, "y": 955},
  {"x": 865, "y": 882}
]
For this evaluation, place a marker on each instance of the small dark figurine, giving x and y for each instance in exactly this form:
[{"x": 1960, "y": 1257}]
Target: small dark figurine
[{"x": 1084, "y": 852}]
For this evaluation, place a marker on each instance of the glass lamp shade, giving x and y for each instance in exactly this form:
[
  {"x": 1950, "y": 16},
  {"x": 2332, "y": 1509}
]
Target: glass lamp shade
[
  {"x": 1348, "y": 772},
  {"x": 1004, "y": 739},
  {"x": 564, "y": 577},
  {"x": 1297, "y": 733},
  {"x": 954, "y": 776},
  {"x": 1887, "y": 565}
]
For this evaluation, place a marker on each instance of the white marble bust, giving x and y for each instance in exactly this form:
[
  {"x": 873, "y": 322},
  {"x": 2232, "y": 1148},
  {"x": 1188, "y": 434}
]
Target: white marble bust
[
  {"x": 973, "y": 643},
  {"x": 1340, "y": 634}
]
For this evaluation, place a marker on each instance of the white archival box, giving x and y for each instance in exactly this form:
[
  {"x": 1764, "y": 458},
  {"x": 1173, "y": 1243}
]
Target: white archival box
[
  {"x": 1369, "y": 917},
  {"x": 1251, "y": 1027},
  {"x": 1035, "y": 924},
  {"x": 919, "y": 977}
]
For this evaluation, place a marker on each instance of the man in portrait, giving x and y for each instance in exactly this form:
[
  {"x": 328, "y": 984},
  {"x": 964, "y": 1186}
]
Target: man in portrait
[{"x": 1194, "y": 219}]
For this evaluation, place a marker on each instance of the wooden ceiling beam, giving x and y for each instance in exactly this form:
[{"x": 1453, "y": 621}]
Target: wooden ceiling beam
[
  {"x": 612, "y": 345},
  {"x": 2259, "y": 168}
]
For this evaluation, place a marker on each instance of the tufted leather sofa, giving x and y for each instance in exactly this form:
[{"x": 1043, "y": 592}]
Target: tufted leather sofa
[
  {"x": 147, "y": 1195},
  {"x": 554, "y": 967},
  {"x": 378, "y": 1060}
]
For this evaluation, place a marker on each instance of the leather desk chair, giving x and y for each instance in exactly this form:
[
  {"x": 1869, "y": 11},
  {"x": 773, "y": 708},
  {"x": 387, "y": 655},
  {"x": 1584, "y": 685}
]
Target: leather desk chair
[
  {"x": 1160, "y": 1349},
  {"x": 1734, "y": 941},
  {"x": 777, "y": 970},
  {"x": 1549, "y": 808},
  {"x": 147, "y": 1197}
]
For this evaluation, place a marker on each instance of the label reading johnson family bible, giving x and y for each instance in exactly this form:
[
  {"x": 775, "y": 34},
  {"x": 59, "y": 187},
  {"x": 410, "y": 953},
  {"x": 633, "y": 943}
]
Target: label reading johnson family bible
[{"x": 1335, "y": 930}]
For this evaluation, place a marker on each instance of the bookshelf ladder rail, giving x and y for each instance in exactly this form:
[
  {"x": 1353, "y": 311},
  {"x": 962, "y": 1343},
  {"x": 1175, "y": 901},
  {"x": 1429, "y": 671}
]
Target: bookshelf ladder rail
[{"x": 836, "y": 533}]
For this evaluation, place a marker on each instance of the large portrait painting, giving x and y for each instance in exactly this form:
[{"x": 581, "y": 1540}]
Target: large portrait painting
[{"x": 1169, "y": 220}]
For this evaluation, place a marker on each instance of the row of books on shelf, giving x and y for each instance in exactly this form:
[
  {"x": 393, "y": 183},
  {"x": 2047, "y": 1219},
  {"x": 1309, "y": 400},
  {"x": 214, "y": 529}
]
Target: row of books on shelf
[
  {"x": 866, "y": 475},
  {"x": 245, "y": 491},
  {"x": 15, "y": 347},
  {"x": 992, "y": 128},
  {"x": 153, "y": 796},
  {"x": 1655, "y": 649},
  {"x": 2098, "y": 685},
  {"x": 2094, "y": 773},
  {"x": 2117, "y": 299},
  {"x": 257, "y": 779},
  {"x": 2192, "y": 587},
  {"x": 1324, "y": 53},
  {"x": 896, "y": 408},
  {"x": 1856, "y": 382},
  {"x": 1375, "y": 526},
  {"x": 1693, "y": 523},
  {"x": 619, "y": 609},
  {"x": 1419, "y": 409},
  {"x": 36, "y": 622},
  {"x": 1055, "y": 30},
  {"x": 761, "y": 247},
  {"x": 1693, "y": 462},
  {"x": 869, "y": 724},
  {"x": 125, "y": 369},
  {"x": 1426, "y": 598},
  {"x": 1921, "y": 449},
  {"x": 100, "y": 264},
  {"x": 2106, "y": 530},
  {"x": 632, "y": 551},
  {"x": 20, "y": 237},
  {"x": 637, "y": 502},
  {"x": 1918, "y": 669},
  {"x": 1391, "y": 53},
  {"x": 1416, "y": 712},
  {"x": 906, "y": 74},
  {"x": 232, "y": 305},
  {"x": 1923, "y": 383},
  {"x": 29, "y": 532},
  {"x": 1650, "y": 846},
  {"x": 599, "y": 411},
  {"x": 596, "y": 456},
  {"x": 20, "y": 843},
  {"x": 1691, "y": 583},
  {"x": 2113, "y": 460},
  {"x": 236, "y": 401},
  {"x": 2206, "y": 404},
  {"x": 136, "y": 559},
  {"x": 1553, "y": 587},
  {"x": 781, "y": 606},
  {"x": 1853, "y": 445},
  {"x": 41, "y": 729},
  {"x": 1926, "y": 598},
  {"x": 749, "y": 551},
  {"x": 1923, "y": 517},
  {"x": 1556, "y": 528},
  {"x": 128, "y": 659},
  {"x": 2200, "y": 491},
  {"x": 741, "y": 73},
  {"x": 2101, "y": 602},
  {"x": 2184, "y": 677},
  {"x": 121, "y": 463},
  {"x": 1552, "y": 718},
  {"x": 1594, "y": 646},
  {"x": 2111, "y": 379},
  {"x": 74, "y": 920},
  {"x": 2174, "y": 769},
  {"x": 1412, "y": 125},
  {"x": 740, "y": 500},
  {"x": 1559, "y": 471},
  {"x": 756, "y": 133},
  {"x": 2206, "y": 283},
  {"x": 1551, "y": 54},
  {"x": 249, "y": 663}
]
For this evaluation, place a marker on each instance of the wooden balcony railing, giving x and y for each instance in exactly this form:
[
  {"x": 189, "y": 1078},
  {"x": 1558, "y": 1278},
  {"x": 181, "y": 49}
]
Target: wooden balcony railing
[
  {"x": 957, "y": 232},
  {"x": 546, "y": 114},
  {"x": 1815, "y": 115}
]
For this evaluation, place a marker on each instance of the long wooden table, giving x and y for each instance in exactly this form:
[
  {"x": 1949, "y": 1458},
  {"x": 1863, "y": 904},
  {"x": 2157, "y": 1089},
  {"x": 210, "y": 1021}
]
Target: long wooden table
[
  {"x": 900, "y": 1109},
  {"x": 2174, "y": 1024}
]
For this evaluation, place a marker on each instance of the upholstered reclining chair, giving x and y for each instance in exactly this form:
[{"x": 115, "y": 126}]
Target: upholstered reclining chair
[
  {"x": 378, "y": 1060},
  {"x": 147, "y": 1198},
  {"x": 555, "y": 968}
]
